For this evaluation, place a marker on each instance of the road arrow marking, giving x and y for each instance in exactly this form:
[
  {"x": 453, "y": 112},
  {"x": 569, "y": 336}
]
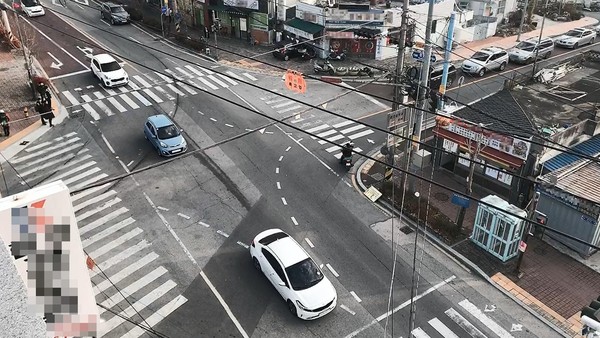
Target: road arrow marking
[
  {"x": 516, "y": 327},
  {"x": 324, "y": 105},
  {"x": 490, "y": 308},
  {"x": 57, "y": 64},
  {"x": 87, "y": 51},
  {"x": 262, "y": 131},
  {"x": 370, "y": 141}
]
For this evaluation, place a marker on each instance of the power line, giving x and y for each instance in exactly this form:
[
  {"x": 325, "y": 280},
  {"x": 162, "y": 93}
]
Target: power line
[{"x": 190, "y": 153}]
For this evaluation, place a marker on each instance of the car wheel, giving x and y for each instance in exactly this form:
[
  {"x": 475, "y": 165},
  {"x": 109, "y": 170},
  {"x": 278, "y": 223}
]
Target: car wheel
[
  {"x": 331, "y": 72},
  {"x": 112, "y": 21},
  {"x": 592, "y": 41},
  {"x": 449, "y": 82},
  {"x": 286, "y": 57},
  {"x": 158, "y": 152},
  {"x": 292, "y": 308},
  {"x": 256, "y": 264},
  {"x": 502, "y": 66},
  {"x": 576, "y": 45},
  {"x": 482, "y": 72},
  {"x": 102, "y": 15},
  {"x": 547, "y": 55}
]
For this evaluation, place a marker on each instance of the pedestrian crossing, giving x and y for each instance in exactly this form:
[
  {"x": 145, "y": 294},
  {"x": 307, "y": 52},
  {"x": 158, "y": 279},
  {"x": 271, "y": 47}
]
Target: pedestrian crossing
[
  {"x": 146, "y": 89},
  {"x": 462, "y": 326},
  {"x": 126, "y": 265},
  {"x": 339, "y": 132}
]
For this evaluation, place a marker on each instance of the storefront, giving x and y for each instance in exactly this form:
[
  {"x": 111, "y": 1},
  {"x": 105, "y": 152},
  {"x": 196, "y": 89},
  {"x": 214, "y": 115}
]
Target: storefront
[
  {"x": 500, "y": 157},
  {"x": 299, "y": 30},
  {"x": 234, "y": 20},
  {"x": 358, "y": 47}
]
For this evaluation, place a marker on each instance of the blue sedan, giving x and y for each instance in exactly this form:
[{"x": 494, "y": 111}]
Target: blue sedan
[{"x": 164, "y": 135}]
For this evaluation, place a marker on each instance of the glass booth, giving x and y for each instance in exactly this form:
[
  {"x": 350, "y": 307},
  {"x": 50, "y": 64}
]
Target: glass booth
[{"x": 498, "y": 232}]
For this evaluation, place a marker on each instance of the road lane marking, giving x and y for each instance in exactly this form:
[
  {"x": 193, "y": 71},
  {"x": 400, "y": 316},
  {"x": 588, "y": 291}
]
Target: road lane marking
[
  {"x": 401, "y": 306},
  {"x": 355, "y": 296},
  {"x": 219, "y": 82},
  {"x": 222, "y": 234},
  {"x": 332, "y": 270},
  {"x": 184, "y": 72},
  {"x": 119, "y": 276},
  {"x": 419, "y": 333},
  {"x": 129, "y": 101},
  {"x": 106, "y": 232},
  {"x": 213, "y": 119},
  {"x": 142, "y": 81},
  {"x": 244, "y": 245},
  {"x": 283, "y": 201},
  {"x": 232, "y": 74},
  {"x": 142, "y": 99},
  {"x": 88, "y": 191},
  {"x": 194, "y": 70},
  {"x": 50, "y": 155},
  {"x": 103, "y": 250},
  {"x": 361, "y": 134},
  {"x": 88, "y": 108},
  {"x": 249, "y": 76},
  {"x": 281, "y": 111},
  {"x": 208, "y": 83},
  {"x": 332, "y": 139},
  {"x": 121, "y": 256},
  {"x": 187, "y": 88},
  {"x": 71, "y": 98},
  {"x": 280, "y": 158},
  {"x": 206, "y": 70},
  {"x": 130, "y": 163},
  {"x": 348, "y": 309},
  {"x": 228, "y": 125},
  {"x": 99, "y": 95},
  {"x": 278, "y": 186},
  {"x": 183, "y": 215},
  {"x": 104, "y": 108},
  {"x": 107, "y": 144},
  {"x": 487, "y": 321},
  {"x": 47, "y": 143},
  {"x": 80, "y": 176},
  {"x": 90, "y": 181},
  {"x": 288, "y": 149},
  {"x": 442, "y": 329},
  {"x": 152, "y": 95},
  {"x": 70, "y": 74},
  {"x": 228, "y": 79},
  {"x": 93, "y": 200},
  {"x": 464, "y": 324},
  {"x": 37, "y": 154},
  {"x": 327, "y": 133},
  {"x": 64, "y": 50},
  {"x": 309, "y": 242},
  {"x": 279, "y": 99},
  {"x": 294, "y": 220},
  {"x": 204, "y": 224},
  {"x": 314, "y": 129},
  {"x": 102, "y": 220},
  {"x": 342, "y": 124},
  {"x": 116, "y": 104},
  {"x": 162, "y": 208},
  {"x": 177, "y": 91},
  {"x": 164, "y": 92},
  {"x": 163, "y": 312},
  {"x": 353, "y": 128}
]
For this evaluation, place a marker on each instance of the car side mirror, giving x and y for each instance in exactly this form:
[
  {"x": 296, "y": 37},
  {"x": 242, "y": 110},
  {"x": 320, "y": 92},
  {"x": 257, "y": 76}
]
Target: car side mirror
[
  {"x": 153, "y": 136},
  {"x": 281, "y": 283},
  {"x": 181, "y": 130}
]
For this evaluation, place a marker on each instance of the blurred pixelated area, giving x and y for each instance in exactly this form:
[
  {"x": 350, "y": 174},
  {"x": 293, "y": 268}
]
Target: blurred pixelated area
[{"x": 40, "y": 231}]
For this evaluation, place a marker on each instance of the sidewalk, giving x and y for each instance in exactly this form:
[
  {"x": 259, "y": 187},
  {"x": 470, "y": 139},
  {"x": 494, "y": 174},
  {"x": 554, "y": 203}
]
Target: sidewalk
[{"x": 554, "y": 286}]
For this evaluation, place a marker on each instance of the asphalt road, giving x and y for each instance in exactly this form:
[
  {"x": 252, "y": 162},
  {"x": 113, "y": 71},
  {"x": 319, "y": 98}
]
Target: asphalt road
[{"x": 173, "y": 238}]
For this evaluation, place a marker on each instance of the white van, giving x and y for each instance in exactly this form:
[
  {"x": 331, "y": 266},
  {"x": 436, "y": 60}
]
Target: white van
[
  {"x": 32, "y": 8},
  {"x": 526, "y": 51}
]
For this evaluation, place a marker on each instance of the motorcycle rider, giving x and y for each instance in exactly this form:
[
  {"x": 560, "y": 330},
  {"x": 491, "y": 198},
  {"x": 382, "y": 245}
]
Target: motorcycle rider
[{"x": 347, "y": 151}]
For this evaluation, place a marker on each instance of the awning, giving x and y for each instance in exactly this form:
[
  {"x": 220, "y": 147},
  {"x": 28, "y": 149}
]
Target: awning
[
  {"x": 302, "y": 28},
  {"x": 235, "y": 11}
]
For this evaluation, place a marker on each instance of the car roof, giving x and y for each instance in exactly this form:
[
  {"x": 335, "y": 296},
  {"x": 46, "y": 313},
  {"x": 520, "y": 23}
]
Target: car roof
[
  {"x": 112, "y": 4},
  {"x": 160, "y": 120},
  {"x": 288, "y": 251},
  {"x": 491, "y": 50},
  {"x": 580, "y": 29},
  {"x": 104, "y": 58}
]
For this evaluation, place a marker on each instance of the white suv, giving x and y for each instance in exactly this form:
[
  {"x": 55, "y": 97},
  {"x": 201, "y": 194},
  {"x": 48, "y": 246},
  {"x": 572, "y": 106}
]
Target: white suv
[
  {"x": 576, "y": 37},
  {"x": 490, "y": 58},
  {"x": 108, "y": 71}
]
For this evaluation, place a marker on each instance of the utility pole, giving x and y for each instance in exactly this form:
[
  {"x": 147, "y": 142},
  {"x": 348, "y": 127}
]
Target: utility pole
[
  {"x": 523, "y": 13},
  {"x": 400, "y": 57},
  {"x": 526, "y": 231},
  {"x": 216, "y": 28},
  {"x": 537, "y": 50},
  {"x": 474, "y": 155},
  {"x": 25, "y": 56},
  {"x": 424, "y": 83},
  {"x": 447, "y": 59}
]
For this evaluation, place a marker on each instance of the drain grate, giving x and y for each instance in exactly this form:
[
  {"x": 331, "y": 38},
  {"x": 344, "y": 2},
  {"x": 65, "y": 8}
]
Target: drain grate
[{"x": 406, "y": 229}]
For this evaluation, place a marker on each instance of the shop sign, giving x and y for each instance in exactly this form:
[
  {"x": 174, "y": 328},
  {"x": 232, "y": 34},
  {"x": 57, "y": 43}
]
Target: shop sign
[{"x": 299, "y": 33}]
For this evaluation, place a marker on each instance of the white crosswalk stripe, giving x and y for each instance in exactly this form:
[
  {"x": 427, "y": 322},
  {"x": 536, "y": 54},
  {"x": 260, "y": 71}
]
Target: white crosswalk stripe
[
  {"x": 187, "y": 88},
  {"x": 208, "y": 83},
  {"x": 232, "y": 74},
  {"x": 184, "y": 72},
  {"x": 194, "y": 70},
  {"x": 228, "y": 79},
  {"x": 67, "y": 94},
  {"x": 129, "y": 101},
  {"x": 104, "y": 108},
  {"x": 419, "y": 333},
  {"x": 164, "y": 77},
  {"x": 164, "y": 92},
  {"x": 99, "y": 95},
  {"x": 351, "y": 129},
  {"x": 464, "y": 324},
  {"x": 249, "y": 76},
  {"x": 107, "y": 231},
  {"x": 141, "y": 80},
  {"x": 88, "y": 108},
  {"x": 283, "y": 104},
  {"x": 153, "y": 96},
  {"x": 142, "y": 99},
  {"x": 176, "y": 90},
  {"x": 116, "y": 104},
  {"x": 315, "y": 129},
  {"x": 289, "y": 109},
  {"x": 206, "y": 70},
  {"x": 361, "y": 134},
  {"x": 442, "y": 329},
  {"x": 487, "y": 321},
  {"x": 219, "y": 82}
]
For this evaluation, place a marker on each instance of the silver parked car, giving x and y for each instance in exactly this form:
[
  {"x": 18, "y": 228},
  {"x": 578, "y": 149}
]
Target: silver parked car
[
  {"x": 490, "y": 58},
  {"x": 526, "y": 51},
  {"x": 576, "y": 37}
]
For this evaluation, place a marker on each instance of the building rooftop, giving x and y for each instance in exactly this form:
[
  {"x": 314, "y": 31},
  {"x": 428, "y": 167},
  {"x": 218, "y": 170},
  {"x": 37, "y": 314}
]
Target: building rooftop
[
  {"x": 591, "y": 147},
  {"x": 579, "y": 179},
  {"x": 503, "y": 114}
]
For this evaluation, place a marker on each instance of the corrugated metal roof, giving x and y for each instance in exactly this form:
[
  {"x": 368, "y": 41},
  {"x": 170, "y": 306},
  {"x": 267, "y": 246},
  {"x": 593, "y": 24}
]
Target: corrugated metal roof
[
  {"x": 582, "y": 181},
  {"x": 590, "y": 147}
]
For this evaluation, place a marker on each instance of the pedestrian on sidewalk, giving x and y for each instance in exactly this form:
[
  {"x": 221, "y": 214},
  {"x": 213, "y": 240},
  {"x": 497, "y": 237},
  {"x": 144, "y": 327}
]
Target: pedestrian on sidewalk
[
  {"x": 40, "y": 109},
  {"x": 49, "y": 115},
  {"x": 4, "y": 119}
]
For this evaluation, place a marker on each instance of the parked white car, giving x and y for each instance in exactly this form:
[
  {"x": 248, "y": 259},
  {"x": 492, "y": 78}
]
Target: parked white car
[
  {"x": 32, "y": 8},
  {"x": 108, "y": 71},
  {"x": 576, "y": 37},
  {"x": 297, "y": 278},
  {"x": 490, "y": 58}
]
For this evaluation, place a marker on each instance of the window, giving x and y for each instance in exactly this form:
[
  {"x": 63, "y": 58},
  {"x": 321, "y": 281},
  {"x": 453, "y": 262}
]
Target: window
[
  {"x": 433, "y": 26},
  {"x": 111, "y": 66},
  {"x": 304, "y": 274},
  {"x": 168, "y": 132},
  {"x": 96, "y": 64},
  {"x": 311, "y": 17},
  {"x": 275, "y": 265}
]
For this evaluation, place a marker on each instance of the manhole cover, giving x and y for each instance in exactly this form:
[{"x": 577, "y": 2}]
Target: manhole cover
[
  {"x": 377, "y": 176},
  {"x": 406, "y": 229},
  {"x": 440, "y": 196}
]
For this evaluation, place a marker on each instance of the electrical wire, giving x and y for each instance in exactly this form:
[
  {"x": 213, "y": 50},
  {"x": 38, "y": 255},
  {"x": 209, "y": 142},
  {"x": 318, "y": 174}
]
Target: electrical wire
[{"x": 190, "y": 153}]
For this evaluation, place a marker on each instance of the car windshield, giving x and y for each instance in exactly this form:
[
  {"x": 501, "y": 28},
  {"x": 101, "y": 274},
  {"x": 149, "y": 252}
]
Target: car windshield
[
  {"x": 479, "y": 56},
  {"x": 304, "y": 274},
  {"x": 526, "y": 46},
  {"x": 110, "y": 67},
  {"x": 117, "y": 9},
  {"x": 168, "y": 132},
  {"x": 576, "y": 34},
  {"x": 30, "y": 3}
]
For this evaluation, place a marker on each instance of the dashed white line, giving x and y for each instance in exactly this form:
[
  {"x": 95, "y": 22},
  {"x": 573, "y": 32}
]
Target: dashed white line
[
  {"x": 288, "y": 149},
  {"x": 332, "y": 270},
  {"x": 204, "y": 224},
  {"x": 213, "y": 119},
  {"x": 280, "y": 158},
  {"x": 228, "y": 125},
  {"x": 309, "y": 242},
  {"x": 244, "y": 245},
  {"x": 130, "y": 163},
  {"x": 278, "y": 186},
  {"x": 277, "y": 170},
  {"x": 183, "y": 215},
  {"x": 294, "y": 220},
  {"x": 162, "y": 208},
  {"x": 222, "y": 234},
  {"x": 348, "y": 309},
  {"x": 283, "y": 201},
  {"x": 108, "y": 144},
  {"x": 201, "y": 113},
  {"x": 355, "y": 296}
]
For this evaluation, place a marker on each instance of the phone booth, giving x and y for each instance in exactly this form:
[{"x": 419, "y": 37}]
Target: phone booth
[{"x": 497, "y": 230}]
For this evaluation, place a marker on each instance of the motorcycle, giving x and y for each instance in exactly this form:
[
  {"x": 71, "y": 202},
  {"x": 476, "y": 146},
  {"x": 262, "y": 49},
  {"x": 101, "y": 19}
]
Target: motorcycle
[
  {"x": 346, "y": 157},
  {"x": 336, "y": 55},
  {"x": 346, "y": 162},
  {"x": 308, "y": 53},
  {"x": 324, "y": 67}
]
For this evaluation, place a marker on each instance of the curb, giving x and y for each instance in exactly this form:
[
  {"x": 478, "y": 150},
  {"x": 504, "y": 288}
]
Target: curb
[{"x": 367, "y": 164}]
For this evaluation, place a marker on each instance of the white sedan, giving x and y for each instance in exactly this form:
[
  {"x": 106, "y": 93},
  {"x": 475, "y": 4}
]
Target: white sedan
[
  {"x": 297, "y": 278},
  {"x": 108, "y": 71}
]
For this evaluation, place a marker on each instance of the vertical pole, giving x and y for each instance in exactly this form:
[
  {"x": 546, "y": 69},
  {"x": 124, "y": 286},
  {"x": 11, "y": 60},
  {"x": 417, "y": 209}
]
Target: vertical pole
[
  {"x": 537, "y": 51},
  {"x": 27, "y": 59},
  {"x": 523, "y": 13},
  {"x": 216, "y": 27},
  {"x": 469, "y": 187},
  {"x": 526, "y": 230},
  {"x": 447, "y": 59},
  {"x": 424, "y": 84},
  {"x": 400, "y": 57}
]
